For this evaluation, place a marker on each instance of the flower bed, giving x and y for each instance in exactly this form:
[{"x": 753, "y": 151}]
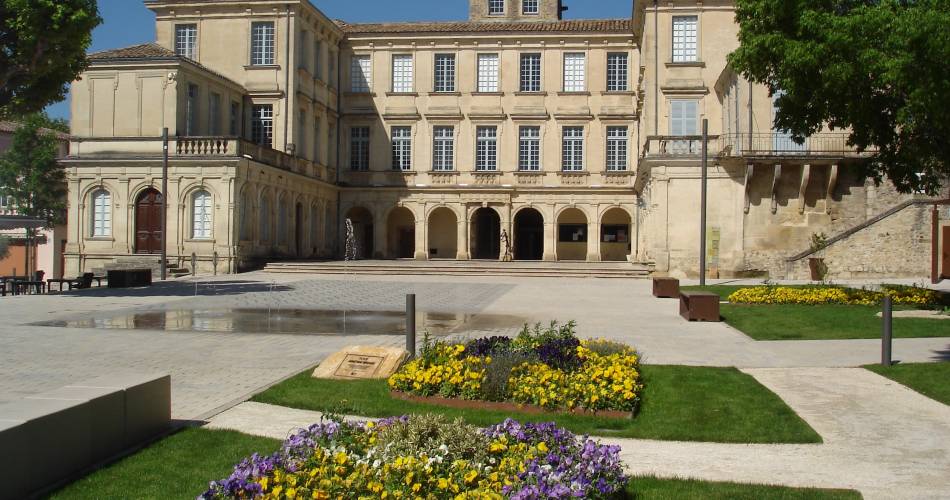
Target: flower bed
[
  {"x": 549, "y": 368},
  {"x": 903, "y": 295},
  {"x": 428, "y": 457}
]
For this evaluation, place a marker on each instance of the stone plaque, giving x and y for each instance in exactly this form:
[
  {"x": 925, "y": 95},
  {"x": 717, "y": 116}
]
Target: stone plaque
[{"x": 361, "y": 362}]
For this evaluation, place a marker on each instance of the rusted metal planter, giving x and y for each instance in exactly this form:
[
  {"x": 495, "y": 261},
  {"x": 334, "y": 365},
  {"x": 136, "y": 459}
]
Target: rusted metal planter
[
  {"x": 699, "y": 306},
  {"x": 666, "y": 287}
]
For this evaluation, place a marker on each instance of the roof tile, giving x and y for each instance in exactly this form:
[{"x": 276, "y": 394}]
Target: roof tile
[
  {"x": 143, "y": 51},
  {"x": 579, "y": 25}
]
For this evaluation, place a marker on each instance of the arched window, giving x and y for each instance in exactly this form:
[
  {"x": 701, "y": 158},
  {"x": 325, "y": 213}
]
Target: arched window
[
  {"x": 201, "y": 215},
  {"x": 283, "y": 215},
  {"x": 101, "y": 214},
  {"x": 245, "y": 217},
  {"x": 314, "y": 226},
  {"x": 265, "y": 220}
]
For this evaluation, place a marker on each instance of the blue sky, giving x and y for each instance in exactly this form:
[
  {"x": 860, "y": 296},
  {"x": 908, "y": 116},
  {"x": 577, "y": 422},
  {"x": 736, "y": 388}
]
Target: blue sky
[{"x": 128, "y": 22}]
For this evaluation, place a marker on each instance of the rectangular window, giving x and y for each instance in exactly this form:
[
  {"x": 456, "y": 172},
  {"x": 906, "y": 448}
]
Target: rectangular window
[
  {"x": 529, "y": 7},
  {"x": 101, "y": 214},
  {"x": 316, "y": 139},
  {"x": 486, "y": 149},
  {"x": 615, "y": 233},
  {"x": 402, "y": 73},
  {"x": 529, "y": 150},
  {"x": 488, "y": 72},
  {"x": 201, "y": 211},
  {"x": 317, "y": 59},
  {"x": 234, "y": 128},
  {"x": 530, "y": 72},
  {"x": 617, "y": 73},
  {"x": 262, "y": 125},
  {"x": 402, "y": 148},
  {"x": 331, "y": 62},
  {"x": 616, "y": 149},
  {"x": 359, "y": 149},
  {"x": 684, "y": 38},
  {"x": 191, "y": 110},
  {"x": 574, "y": 79},
  {"x": 186, "y": 40},
  {"x": 443, "y": 154},
  {"x": 301, "y": 133},
  {"x": 262, "y": 44},
  {"x": 572, "y": 233},
  {"x": 684, "y": 117},
  {"x": 444, "y": 73},
  {"x": 361, "y": 74},
  {"x": 496, "y": 7},
  {"x": 573, "y": 149},
  {"x": 214, "y": 114},
  {"x": 302, "y": 55}
]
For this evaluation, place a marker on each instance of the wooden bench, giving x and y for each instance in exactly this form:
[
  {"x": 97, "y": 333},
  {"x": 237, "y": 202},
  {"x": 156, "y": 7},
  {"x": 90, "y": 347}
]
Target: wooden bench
[
  {"x": 699, "y": 306},
  {"x": 666, "y": 287}
]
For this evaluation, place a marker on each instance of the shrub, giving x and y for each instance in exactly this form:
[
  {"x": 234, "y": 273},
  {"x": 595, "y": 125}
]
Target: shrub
[
  {"x": 495, "y": 387},
  {"x": 373, "y": 460}
]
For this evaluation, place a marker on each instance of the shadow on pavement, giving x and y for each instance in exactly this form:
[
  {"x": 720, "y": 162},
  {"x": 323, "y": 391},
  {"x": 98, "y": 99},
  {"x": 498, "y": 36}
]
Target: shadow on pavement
[{"x": 182, "y": 289}]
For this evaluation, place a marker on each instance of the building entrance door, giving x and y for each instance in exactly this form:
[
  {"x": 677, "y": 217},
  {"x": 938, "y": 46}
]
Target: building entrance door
[
  {"x": 945, "y": 264},
  {"x": 148, "y": 222},
  {"x": 406, "y": 246},
  {"x": 486, "y": 229},
  {"x": 529, "y": 235}
]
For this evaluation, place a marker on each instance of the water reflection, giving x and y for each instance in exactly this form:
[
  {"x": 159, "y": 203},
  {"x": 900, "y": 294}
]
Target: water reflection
[{"x": 293, "y": 321}]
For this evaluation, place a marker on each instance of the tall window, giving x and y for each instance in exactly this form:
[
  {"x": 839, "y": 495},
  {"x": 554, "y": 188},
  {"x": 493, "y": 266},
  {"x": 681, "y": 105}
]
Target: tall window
[
  {"x": 488, "y": 72},
  {"x": 359, "y": 148},
  {"x": 402, "y": 73},
  {"x": 361, "y": 74},
  {"x": 317, "y": 59},
  {"x": 262, "y": 125},
  {"x": 574, "y": 72},
  {"x": 529, "y": 7},
  {"x": 486, "y": 149},
  {"x": 101, "y": 214},
  {"x": 617, "y": 68},
  {"x": 684, "y": 117},
  {"x": 301, "y": 132},
  {"x": 283, "y": 214},
  {"x": 5, "y": 202},
  {"x": 264, "y": 218},
  {"x": 445, "y": 73},
  {"x": 616, "y": 149},
  {"x": 234, "y": 127},
  {"x": 214, "y": 114},
  {"x": 496, "y": 7},
  {"x": 530, "y": 72},
  {"x": 262, "y": 44},
  {"x": 186, "y": 40},
  {"x": 402, "y": 148},
  {"x": 316, "y": 139},
  {"x": 443, "y": 156},
  {"x": 684, "y": 38},
  {"x": 201, "y": 215},
  {"x": 303, "y": 53},
  {"x": 331, "y": 62},
  {"x": 245, "y": 217},
  {"x": 573, "y": 149},
  {"x": 529, "y": 150},
  {"x": 191, "y": 110}
]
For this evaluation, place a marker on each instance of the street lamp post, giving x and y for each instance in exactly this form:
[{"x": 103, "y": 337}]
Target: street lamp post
[
  {"x": 164, "y": 263},
  {"x": 702, "y": 201}
]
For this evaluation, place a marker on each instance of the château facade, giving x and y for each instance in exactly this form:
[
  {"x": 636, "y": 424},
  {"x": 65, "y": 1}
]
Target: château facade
[{"x": 577, "y": 138}]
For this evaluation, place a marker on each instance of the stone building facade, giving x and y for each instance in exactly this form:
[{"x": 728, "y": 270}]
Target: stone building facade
[{"x": 578, "y": 139}]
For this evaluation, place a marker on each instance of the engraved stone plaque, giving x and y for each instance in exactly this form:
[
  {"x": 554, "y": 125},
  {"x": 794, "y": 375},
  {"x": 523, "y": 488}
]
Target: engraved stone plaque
[{"x": 361, "y": 362}]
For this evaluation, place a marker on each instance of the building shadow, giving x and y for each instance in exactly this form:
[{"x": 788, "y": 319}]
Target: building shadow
[{"x": 182, "y": 289}]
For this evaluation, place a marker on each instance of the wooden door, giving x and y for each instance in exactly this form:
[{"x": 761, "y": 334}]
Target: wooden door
[
  {"x": 945, "y": 262},
  {"x": 148, "y": 222}
]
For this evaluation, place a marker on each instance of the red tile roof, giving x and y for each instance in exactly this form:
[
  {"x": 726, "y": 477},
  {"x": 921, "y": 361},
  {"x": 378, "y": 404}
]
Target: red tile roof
[
  {"x": 577, "y": 26},
  {"x": 144, "y": 51},
  {"x": 9, "y": 127}
]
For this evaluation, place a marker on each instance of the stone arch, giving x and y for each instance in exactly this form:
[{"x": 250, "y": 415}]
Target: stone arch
[
  {"x": 616, "y": 224},
  {"x": 363, "y": 230},
  {"x": 528, "y": 234},
  {"x": 485, "y": 232},
  {"x": 572, "y": 237},
  {"x": 442, "y": 229},
  {"x": 401, "y": 233}
]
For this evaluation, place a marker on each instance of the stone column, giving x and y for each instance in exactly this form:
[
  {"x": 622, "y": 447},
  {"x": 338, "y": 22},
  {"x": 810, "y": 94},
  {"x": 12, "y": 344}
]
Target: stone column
[
  {"x": 550, "y": 241},
  {"x": 462, "y": 236},
  {"x": 506, "y": 226},
  {"x": 422, "y": 253},
  {"x": 593, "y": 241},
  {"x": 380, "y": 240}
]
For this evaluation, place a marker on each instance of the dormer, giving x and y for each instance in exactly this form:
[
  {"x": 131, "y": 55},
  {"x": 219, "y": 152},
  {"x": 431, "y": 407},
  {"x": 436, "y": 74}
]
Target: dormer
[{"x": 514, "y": 10}]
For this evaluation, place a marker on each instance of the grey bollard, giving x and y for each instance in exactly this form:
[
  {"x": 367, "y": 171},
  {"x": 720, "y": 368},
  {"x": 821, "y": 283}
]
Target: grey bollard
[
  {"x": 887, "y": 334},
  {"x": 411, "y": 325}
]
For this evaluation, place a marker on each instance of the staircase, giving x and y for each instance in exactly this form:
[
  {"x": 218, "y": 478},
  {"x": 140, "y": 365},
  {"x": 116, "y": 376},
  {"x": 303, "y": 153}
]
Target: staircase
[
  {"x": 467, "y": 268},
  {"x": 142, "y": 262}
]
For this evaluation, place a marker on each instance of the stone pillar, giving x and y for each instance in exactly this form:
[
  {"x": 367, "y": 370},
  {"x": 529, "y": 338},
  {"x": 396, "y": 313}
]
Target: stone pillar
[
  {"x": 422, "y": 253},
  {"x": 593, "y": 241},
  {"x": 506, "y": 226},
  {"x": 462, "y": 236},
  {"x": 380, "y": 240},
  {"x": 550, "y": 242}
]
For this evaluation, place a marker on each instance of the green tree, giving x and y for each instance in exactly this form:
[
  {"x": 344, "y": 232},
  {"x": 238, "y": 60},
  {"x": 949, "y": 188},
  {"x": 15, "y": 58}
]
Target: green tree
[
  {"x": 42, "y": 49},
  {"x": 878, "y": 68},
  {"x": 30, "y": 175}
]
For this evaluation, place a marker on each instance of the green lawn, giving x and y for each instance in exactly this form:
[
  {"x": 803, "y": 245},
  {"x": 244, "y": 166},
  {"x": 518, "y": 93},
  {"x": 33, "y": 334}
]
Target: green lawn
[
  {"x": 179, "y": 466},
  {"x": 182, "y": 465},
  {"x": 930, "y": 379},
  {"x": 679, "y": 403},
  {"x": 805, "y": 322}
]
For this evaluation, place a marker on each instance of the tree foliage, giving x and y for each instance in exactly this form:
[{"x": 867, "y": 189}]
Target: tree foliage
[
  {"x": 878, "y": 68},
  {"x": 42, "y": 49},
  {"x": 30, "y": 174}
]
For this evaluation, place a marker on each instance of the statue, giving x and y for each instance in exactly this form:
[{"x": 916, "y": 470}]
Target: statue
[
  {"x": 505, "y": 246},
  {"x": 351, "y": 252}
]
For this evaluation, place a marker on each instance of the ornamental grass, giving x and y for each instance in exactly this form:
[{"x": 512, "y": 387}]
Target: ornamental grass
[
  {"x": 428, "y": 457},
  {"x": 547, "y": 367},
  {"x": 901, "y": 295}
]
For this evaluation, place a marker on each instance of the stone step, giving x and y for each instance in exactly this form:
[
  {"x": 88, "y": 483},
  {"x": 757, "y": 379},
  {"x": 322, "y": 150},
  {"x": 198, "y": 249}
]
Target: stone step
[{"x": 462, "y": 268}]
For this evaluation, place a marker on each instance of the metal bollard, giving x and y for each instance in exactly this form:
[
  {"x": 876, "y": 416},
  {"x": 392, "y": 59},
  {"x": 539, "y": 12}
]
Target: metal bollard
[
  {"x": 887, "y": 335},
  {"x": 411, "y": 325}
]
